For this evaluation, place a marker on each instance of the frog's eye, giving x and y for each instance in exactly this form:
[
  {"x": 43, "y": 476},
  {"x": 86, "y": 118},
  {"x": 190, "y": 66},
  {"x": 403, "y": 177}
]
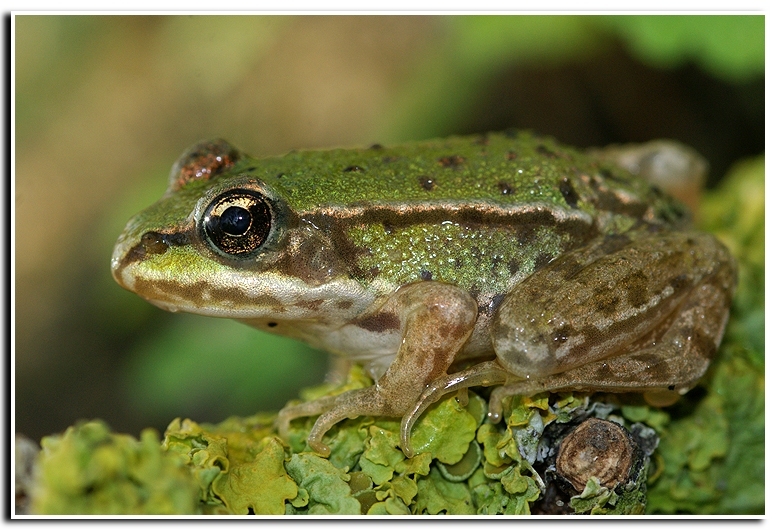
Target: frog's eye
[{"x": 238, "y": 222}]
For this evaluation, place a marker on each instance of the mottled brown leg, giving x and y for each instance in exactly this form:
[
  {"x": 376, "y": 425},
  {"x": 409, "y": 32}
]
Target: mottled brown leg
[{"x": 672, "y": 363}]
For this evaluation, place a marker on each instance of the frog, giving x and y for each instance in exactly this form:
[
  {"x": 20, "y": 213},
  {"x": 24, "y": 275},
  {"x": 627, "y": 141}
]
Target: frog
[{"x": 505, "y": 260}]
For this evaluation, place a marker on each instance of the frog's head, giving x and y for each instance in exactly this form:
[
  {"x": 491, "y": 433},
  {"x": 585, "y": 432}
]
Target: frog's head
[{"x": 223, "y": 242}]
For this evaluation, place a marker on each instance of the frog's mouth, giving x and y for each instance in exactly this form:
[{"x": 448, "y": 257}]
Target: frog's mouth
[{"x": 183, "y": 280}]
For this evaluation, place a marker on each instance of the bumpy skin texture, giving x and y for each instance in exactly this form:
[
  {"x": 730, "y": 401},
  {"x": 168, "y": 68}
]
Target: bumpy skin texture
[{"x": 548, "y": 268}]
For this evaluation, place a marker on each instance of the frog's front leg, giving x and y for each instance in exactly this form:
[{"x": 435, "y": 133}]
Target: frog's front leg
[
  {"x": 436, "y": 320},
  {"x": 642, "y": 312}
]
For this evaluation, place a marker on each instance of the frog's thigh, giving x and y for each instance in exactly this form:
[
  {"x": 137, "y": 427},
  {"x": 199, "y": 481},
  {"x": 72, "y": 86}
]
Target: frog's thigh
[
  {"x": 648, "y": 316},
  {"x": 436, "y": 321}
]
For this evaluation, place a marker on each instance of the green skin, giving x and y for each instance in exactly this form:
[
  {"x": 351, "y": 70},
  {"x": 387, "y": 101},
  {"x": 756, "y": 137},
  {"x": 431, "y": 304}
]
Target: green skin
[{"x": 503, "y": 259}]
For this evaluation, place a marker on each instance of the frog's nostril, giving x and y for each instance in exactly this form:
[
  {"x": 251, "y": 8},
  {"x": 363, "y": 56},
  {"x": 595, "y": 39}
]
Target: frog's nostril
[
  {"x": 150, "y": 244},
  {"x": 159, "y": 242},
  {"x": 154, "y": 243}
]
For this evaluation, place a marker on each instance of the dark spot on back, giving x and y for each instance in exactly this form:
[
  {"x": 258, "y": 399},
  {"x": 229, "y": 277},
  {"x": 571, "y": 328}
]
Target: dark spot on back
[
  {"x": 426, "y": 182},
  {"x": 426, "y": 275},
  {"x": 703, "y": 344},
  {"x": 380, "y": 322},
  {"x": 345, "y": 304},
  {"x": 568, "y": 192},
  {"x": 376, "y": 146},
  {"x": 353, "y": 169},
  {"x": 505, "y": 188},
  {"x": 451, "y": 161}
]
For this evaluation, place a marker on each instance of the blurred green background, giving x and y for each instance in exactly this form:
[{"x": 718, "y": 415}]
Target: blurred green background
[{"x": 105, "y": 104}]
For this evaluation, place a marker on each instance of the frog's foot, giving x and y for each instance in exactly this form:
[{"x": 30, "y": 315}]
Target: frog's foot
[
  {"x": 332, "y": 409},
  {"x": 310, "y": 408},
  {"x": 372, "y": 401},
  {"x": 484, "y": 374}
]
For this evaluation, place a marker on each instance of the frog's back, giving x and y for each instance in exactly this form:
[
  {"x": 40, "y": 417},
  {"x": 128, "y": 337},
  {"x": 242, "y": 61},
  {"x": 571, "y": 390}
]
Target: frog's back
[
  {"x": 503, "y": 170},
  {"x": 478, "y": 211}
]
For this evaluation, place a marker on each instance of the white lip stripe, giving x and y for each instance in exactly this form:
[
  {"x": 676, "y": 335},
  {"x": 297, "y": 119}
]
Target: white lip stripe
[{"x": 254, "y": 286}]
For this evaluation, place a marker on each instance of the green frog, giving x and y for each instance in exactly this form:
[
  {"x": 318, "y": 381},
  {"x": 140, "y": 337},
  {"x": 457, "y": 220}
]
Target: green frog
[{"x": 504, "y": 260}]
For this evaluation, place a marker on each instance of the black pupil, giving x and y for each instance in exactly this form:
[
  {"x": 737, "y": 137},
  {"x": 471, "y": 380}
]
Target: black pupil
[
  {"x": 235, "y": 221},
  {"x": 238, "y": 222}
]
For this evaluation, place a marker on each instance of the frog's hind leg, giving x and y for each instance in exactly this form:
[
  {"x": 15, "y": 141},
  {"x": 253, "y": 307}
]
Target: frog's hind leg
[
  {"x": 626, "y": 314},
  {"x": 665, "y": 362}
]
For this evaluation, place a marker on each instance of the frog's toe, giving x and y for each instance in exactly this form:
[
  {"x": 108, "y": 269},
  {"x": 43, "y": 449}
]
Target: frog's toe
[
  {"x": 511, "y": 388},
  {"x": 291, "y": 412},
  {"x": 484, "y": 374},
  {"x": 318, "y": 447},
  {"x": 363, "y": 402}
]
